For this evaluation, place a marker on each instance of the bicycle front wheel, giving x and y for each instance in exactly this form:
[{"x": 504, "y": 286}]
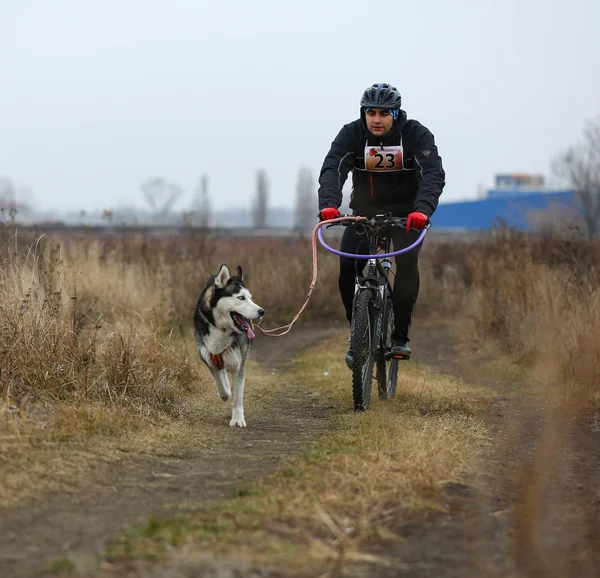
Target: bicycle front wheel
[{"x": 361, "y": 345}]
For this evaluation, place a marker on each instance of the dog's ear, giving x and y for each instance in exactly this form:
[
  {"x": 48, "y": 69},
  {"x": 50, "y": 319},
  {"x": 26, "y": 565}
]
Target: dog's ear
[
  {"x": 222, "y": 276},
  {"x": 240, "y": 273}
]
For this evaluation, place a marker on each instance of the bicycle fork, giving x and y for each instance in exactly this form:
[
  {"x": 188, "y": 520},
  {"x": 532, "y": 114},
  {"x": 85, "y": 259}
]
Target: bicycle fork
[
  {"x": 373, "y": 283},
  {"x": 383, "y": 304}
]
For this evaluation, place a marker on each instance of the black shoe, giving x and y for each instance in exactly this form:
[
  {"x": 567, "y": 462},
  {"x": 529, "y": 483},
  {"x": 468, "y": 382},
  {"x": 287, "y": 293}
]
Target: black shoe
[
  {"x": 400, "y": 349},
  {"x": 349, "y": 360}
]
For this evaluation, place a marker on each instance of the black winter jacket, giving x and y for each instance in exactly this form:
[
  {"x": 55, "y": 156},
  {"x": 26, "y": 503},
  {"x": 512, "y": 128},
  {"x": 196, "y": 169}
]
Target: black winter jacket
[{"x": 412, "y": 183}]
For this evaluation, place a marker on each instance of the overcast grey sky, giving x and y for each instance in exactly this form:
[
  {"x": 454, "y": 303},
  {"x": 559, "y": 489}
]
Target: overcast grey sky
[{"x": 98, "y": 95}]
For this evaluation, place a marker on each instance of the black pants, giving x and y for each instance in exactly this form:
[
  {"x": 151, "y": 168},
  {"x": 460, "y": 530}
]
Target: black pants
[{"x": 406, "y": 283}]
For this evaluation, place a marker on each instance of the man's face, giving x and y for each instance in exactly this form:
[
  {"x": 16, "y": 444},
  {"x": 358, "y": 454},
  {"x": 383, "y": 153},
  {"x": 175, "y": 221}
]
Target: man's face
[{"x": 379, "y": 121}]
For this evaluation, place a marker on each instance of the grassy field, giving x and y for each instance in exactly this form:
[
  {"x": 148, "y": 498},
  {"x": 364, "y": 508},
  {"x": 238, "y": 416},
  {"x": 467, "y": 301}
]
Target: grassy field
[
  {"x": 97, "y": 361},
  {"x": 95, "y": 332}
]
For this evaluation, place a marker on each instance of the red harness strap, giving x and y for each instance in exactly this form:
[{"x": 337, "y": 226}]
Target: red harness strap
[{"x": 217, "y": 358}]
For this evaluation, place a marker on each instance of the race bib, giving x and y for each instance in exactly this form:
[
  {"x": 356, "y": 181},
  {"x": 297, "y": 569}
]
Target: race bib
[{"x": 384, "y": 158}]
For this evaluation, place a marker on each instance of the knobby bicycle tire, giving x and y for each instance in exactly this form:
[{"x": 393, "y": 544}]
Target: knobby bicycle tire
[
  {"x": 392, "y": 378},
  {"x": 362, "y": 350}
]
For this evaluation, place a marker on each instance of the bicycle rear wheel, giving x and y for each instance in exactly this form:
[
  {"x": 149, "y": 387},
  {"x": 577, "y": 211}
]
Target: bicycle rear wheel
[
  {"x": 383, "y": 355},
  {"x": 392, "y": 378},
  {"x": 362, "y": 350}
]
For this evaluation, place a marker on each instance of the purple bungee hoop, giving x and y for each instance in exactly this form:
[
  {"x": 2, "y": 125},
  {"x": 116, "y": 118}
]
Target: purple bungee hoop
[{"x": 378, "y": 256}]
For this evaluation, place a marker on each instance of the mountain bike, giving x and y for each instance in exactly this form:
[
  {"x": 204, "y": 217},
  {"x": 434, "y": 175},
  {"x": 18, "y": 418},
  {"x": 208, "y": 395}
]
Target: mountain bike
[{"x": 373, "y": 314}]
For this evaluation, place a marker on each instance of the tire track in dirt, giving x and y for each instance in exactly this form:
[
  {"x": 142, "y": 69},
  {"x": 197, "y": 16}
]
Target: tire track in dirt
[
  {"x": 532, "y": 511},
  {"x": 79, "y": 523}
]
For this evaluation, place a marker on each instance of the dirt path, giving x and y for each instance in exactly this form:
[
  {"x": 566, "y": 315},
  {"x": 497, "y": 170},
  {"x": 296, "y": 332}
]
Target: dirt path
[
  {"x": 79, "y": 523},
  {"x": 534, "y": 509},
  {"x": 532, "y": 512}
]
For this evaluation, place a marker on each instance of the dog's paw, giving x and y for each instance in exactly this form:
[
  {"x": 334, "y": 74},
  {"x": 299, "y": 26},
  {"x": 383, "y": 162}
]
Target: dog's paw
[{"x": 237, "y": 419}]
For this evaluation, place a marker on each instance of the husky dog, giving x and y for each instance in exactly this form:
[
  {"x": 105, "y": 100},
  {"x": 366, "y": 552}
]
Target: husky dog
[{"x": 223, "y": 328}]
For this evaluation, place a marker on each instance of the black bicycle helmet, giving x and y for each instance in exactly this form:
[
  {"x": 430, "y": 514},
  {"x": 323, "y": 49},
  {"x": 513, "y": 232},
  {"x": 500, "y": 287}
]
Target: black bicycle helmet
[{"x": 381, "y": 95}]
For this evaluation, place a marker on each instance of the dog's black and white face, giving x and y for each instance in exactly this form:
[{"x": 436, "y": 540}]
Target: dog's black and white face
[{"x": 231, "y": 303}]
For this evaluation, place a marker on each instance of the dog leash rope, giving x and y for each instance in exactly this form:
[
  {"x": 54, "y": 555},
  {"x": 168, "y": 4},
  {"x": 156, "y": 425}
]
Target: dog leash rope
[{"x": 288, "y": 327}]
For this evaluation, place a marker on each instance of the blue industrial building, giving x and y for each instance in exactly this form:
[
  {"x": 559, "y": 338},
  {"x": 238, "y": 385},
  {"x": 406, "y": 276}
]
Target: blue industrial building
[{"x": 518, "y": 201}]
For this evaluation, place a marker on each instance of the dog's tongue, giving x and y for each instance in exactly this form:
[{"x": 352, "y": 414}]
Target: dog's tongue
[{"x": 243, "y": 321}]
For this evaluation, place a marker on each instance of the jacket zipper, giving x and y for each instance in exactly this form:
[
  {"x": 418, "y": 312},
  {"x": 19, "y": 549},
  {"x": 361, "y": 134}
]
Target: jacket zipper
[{"x": 371, "y": 174}]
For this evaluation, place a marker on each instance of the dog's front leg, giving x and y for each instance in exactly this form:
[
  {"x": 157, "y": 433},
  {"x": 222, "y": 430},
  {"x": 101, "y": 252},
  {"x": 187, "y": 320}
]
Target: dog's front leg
[
  {"x": 237, "y": 416},
  {"x": 222, "y": 380}
]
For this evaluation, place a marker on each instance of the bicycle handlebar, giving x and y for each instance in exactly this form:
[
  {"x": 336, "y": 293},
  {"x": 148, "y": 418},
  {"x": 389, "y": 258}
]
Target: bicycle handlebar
[
  {"x": 389, "y": 221},
  {"x": 377, "y": 221}
]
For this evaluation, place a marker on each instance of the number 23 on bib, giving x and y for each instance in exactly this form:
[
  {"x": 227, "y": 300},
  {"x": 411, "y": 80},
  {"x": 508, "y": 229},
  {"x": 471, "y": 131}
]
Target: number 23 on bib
[{"x": 389, "y": 158}]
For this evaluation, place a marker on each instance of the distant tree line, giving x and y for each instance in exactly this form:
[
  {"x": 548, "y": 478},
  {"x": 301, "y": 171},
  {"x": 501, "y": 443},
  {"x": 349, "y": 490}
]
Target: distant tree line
[
  {"x": 161, "y": 195},
  {"x": 578, "y": 167}
]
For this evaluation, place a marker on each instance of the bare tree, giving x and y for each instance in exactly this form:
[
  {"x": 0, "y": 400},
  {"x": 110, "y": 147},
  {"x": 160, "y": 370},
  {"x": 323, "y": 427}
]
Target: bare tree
[
  {"x": 306, "y": 201},
  {"x": 14, "y": 199},
  {"x": 8, "y": 192},
  {"x": 261, "y": 201},
  {"x": 579, "y": 167},
  {"x": 108, "y": 215},
  {"x": 24, "y": 198},
  {"x": 201, "y": 205},
  {"x": 161, "y": 195}
]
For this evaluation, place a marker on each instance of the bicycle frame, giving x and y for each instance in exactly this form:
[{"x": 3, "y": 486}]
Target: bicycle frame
[{"x": 376, "y": 280}]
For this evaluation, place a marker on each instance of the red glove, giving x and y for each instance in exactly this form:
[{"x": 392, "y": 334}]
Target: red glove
[
  {"x": 329, "y": 213},
  {"x": 416, "y": 220}
]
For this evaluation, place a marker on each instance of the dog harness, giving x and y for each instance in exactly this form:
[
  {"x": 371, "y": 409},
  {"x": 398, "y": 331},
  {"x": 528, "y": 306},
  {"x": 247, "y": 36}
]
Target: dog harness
[{"x": 217, "y": 358}]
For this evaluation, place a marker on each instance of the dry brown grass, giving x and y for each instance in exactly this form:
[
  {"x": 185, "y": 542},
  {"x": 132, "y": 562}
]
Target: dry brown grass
[
  {"x": 169, "y": 273},
  {"x": 96, "y": 350},
  {"x": 71, "y": 382},
  {"x": 536, "y": 298}
]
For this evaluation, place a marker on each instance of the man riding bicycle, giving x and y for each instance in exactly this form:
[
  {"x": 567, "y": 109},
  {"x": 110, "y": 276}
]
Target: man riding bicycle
[{"x": 396, "y": 169}]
